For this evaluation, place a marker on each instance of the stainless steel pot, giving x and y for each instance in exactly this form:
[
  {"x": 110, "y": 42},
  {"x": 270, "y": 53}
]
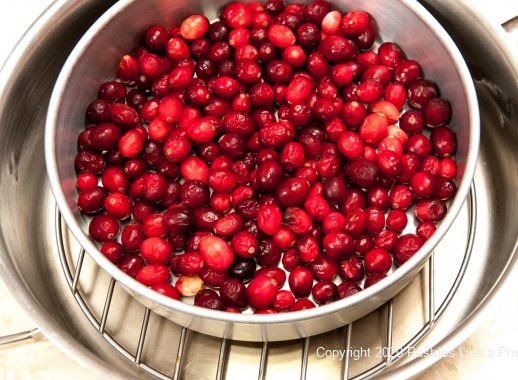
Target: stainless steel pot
[
  {"x": 30, "y": 253},
  {"x": 115, "y": 33}
]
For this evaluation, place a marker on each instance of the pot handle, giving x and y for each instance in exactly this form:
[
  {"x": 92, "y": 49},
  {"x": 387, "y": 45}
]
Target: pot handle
[{"x": 24, "y": 335}]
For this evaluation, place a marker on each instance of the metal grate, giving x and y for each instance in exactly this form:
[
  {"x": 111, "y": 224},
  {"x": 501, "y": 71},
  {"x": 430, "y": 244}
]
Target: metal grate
[{"x": 391, "y": 354}]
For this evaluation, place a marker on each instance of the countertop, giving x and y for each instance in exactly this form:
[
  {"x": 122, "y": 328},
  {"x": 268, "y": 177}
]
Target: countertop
[{"x": 491, "y": 350}]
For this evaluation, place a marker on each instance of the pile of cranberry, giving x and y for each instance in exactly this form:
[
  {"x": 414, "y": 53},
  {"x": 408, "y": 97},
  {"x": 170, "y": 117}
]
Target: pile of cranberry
[{"x": 273, "y": 141}]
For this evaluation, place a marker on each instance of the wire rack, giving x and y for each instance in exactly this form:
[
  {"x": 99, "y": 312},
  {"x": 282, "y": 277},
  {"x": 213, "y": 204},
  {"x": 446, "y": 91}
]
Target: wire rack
[{"x": 73, "y": 268}]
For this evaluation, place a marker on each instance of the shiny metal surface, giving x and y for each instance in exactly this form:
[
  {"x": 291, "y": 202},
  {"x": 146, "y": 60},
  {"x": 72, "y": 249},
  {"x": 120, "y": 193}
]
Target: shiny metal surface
[
  {"x": 29, "y": 258},
  {"x": 91, "y": 62}
]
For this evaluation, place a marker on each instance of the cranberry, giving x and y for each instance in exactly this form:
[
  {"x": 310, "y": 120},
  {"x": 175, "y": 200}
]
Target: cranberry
[
  {"x": 421, "y": 91},
  {"x": 117, "y": 205},
  {"x": 194, "y": 194},
  {"x": 268, "y": 175},
  {"x": 443, "y": 142},
  {"x": 324, "y": 292},
  {"x": 363, "y": 173},
  {"x": 354, "y": 23},
  {"x": 131, "y": 265},
  {"x": 269, "y": 254},
  {"x": 208, "y": 299},
  {"x": 156, "y": 250},
  {"x": 216, "y": 253},
  {"x": 378, "y": 261},
  {"x": 194, "y": 27},
  {"x": 407, "y": 71},
  {"x": 406, "y": 247},
  {"x": 300, "y": 281},
  {"x": 338, "y": 49},
  {"x": 283, "y": 301},
  {"x": 331, "y": 22},
  {"x": 292, "y": 192},
  {"x": 430, "y": 210},
  {"x": 178, "y": 219},
  {"x": 281, "y": 36},
  {"x": 261, "y": 292},
  {"x": 233, "y": 293},
  {"x": 128, "y": 68},
  {"x": 103, "y": 228},
  {"x": 151, "y": 274},
  {"x": 189, "y": 286},
  {"x": 347, "y": 288},
  {"x": 352, "y": 269},
  {"x": 91, "y": 200},
  {"x": 167, "y": 290},
  {"x": 302, "y": 304},
  {"x": 397, "y": 220},
  {"x": 194, "y": 168}
]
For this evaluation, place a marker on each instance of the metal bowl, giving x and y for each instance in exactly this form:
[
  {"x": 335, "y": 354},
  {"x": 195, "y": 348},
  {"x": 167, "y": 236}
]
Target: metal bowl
[{"x": 93, "y": 61}]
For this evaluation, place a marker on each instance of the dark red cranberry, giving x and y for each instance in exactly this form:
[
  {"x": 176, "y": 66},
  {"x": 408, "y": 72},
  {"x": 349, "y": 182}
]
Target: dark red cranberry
[
  {"x": 242, "y": 269},
  {"x": 91, "y": 200},
  {"x": 443, "y": 142},
  {"x": 421, "y": 91},
  {"x": 233, "y": 293},
  {"x": 324, "y": 292},
  {"x": 209, "y": 299},
  {"x": 269, "y": 254},
  {"x": 131, "y": 265},
  {"x": 347, "y": 288}
]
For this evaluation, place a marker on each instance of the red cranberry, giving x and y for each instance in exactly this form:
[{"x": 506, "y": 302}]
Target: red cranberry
[
  {"x": 216, "y": 253},
  {"x": 103, "y": 228},
  {"x": 300, "y": 281},
  {"x": 346, "y": 289},
  {"x": 167, "y": 290},
  {"x": 397, "y": 220},
  {"x": 261, "y": 292},
  {"x": 269, "y": 254},
  {"x": 443, "y": 142},
  {"x": 352, "y": 269},
  {"x": 208, "y": 299},
  {"x": 212, "y": 277},
  {"x": 430, "y": 210},
  {"x": 283, "y": 301},
  {"x": 363, "y": 173},
  {"x": 128, "y": 69},
  {"x": 281, "y": 36},
  {"x": 407, "y": 71},
  {"x": 421, "y": 91},
  {"x": 194, "y": 27},
  {"x": 354, "y": 23},
  {"x": 373, "y": 279},
  {"x": 131, "y": 265},
  {"x": 422, "y": 184},
  {"x": 425, "y": 229},
  {"x": 91, "y": 200},
  {"x": 338, "y": 49},
  {"x": 406, "y": 247},
  {"x": 324, "y": 292},
  {"x": 378, "y": 261},
  {"x": 113, "y": 251},
  {"x": 302, "y": 304},
  {"x": 151, "y": 274},
  {"x": 117, "y": 205},
  {"x": 156, "y": 250}
]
